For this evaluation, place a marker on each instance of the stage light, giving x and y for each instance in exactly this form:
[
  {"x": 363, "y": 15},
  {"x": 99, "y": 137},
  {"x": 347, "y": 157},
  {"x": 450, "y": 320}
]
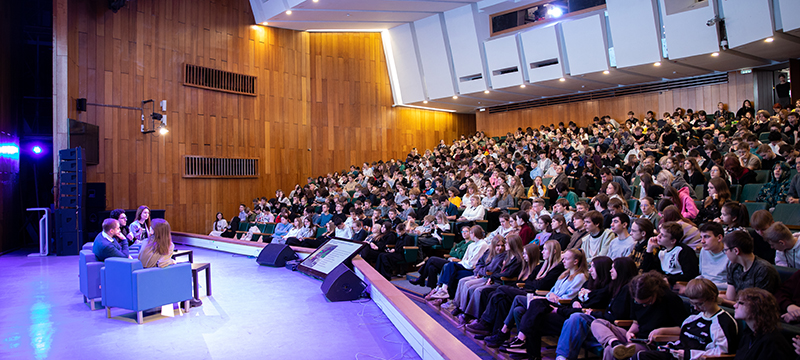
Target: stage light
[
  {"x": 425, "y": 101},
  {"x": 163, "y": 131},
  {"x": 606, "y": 72},
  {"x": 485, "y": 91},
  {"x": 455, "y": 97},
  {"x": 562, "y": 79},
  {"x": 9, "y": 150},
  {"x": 657, "y": 63},
  {"x": 288, "y": 12},
  {"x": 715, "y": 54},
  {"x": 37, "y": 149},
  {"x": 522, "y": 86},
  {"x": 555, "y": 11},
  {"x": 769, "y": 39}
]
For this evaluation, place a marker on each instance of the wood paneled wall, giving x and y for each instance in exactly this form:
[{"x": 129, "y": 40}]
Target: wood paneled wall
[
  {"x": 352, "y": 118},
  {"x": 323, "y": 103},
  {"x": 738, "y": 88}
]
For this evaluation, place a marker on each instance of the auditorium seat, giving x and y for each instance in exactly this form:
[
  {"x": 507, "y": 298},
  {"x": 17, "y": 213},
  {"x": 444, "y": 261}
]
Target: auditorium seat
[
  {"x": 762, "y": 176},
  {"x": 750, "y": 192},
  {"x": 755, "y": 206},
  {"x": 788, "y": 214}
]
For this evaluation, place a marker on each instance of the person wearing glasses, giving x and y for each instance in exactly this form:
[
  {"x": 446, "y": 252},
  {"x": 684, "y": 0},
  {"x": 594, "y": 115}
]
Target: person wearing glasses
[
  {"x": 746, "y": 270},
  {"x": 119, "y": 215}
]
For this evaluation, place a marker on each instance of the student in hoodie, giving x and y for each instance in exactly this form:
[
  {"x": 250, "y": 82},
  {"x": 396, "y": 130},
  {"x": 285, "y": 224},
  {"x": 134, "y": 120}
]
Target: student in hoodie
[{"x": 777, "y": 189}]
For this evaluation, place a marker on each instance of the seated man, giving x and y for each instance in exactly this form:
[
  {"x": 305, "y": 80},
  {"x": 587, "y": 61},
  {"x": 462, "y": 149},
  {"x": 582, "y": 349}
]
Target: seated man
[
  {"x": 787, "y": 248},
  {"x": 675, "y": 259},
  {"x": 746, "y": 270},
  {"x": 110, "y": 242}
]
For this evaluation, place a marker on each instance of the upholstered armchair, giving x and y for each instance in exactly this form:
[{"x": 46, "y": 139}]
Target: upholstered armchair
[
  {"x": 125, "y": 284},
  {"x": 89, "y": 275}
]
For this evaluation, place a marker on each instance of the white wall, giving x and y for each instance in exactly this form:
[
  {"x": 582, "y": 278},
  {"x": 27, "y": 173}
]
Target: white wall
[
  {"x": 634, "y": 30},
  {"x": 436, "y": 71}
]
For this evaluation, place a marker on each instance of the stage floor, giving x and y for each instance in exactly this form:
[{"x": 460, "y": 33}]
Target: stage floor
[{"x": 255, "y": 312}]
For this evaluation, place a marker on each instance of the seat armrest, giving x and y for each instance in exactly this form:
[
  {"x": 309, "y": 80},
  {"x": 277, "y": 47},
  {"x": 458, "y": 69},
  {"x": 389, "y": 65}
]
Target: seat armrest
[
  {"x": 542, "y": 292},
  {"x": 623, "y": 323},
  {"x": 665, "y": 338}
]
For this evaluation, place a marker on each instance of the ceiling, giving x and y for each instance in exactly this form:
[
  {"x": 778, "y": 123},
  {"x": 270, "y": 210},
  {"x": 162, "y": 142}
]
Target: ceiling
[{"x": 377, "y": 15}]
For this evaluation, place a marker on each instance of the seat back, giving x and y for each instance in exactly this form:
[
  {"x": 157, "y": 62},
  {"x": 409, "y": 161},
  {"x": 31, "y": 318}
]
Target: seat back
[
  {"x": 735, "y": 191},
  {"x": 762, "y": 176},
  {"x": 750, "y": 192},
  {"x": 116, "y": 279},
  {"x": 755, "y": 206},
  {"x": 788, "y": 214},
  {"x": 633, "y": 206},
  {"x": 89, "y": 274}
]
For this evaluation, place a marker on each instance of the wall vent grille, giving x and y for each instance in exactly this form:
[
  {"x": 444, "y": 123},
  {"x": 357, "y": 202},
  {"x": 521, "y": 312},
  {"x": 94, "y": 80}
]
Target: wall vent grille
[
  {"x": 212, "y": 79},
  {"x": 219, "y": 168}
]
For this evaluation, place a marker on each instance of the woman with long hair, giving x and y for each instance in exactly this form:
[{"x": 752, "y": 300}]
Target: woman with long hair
[
  {"x": 561, "y": 232},
  {"x": 734, "y": 216},
  {"x": 510, "y": 268},
  {"x": 140, "y": 227},
  {"x": 504, "y": 198},
  {"x": 739, "y": 174},
  {"x": 761, "y": 339},
  {"x": 219, "y": 225},
  {"x": 693, "y": 174},
  {"x": 158, "y": 251},
  {"x": 538, "y": 189},
  {"x": 488, "y": 264},
  {"x": 777, "y": 189},
  {"x": 544, "y": 228},
  {"x": 718, "y": 194},
  {"x": 526, "y": 313}
]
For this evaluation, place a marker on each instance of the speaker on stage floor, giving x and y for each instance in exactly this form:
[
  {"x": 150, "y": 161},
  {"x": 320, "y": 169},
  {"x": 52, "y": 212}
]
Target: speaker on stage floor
[
  {"x": 276, "y": 255},
  {"x": 342, "y": 284}
]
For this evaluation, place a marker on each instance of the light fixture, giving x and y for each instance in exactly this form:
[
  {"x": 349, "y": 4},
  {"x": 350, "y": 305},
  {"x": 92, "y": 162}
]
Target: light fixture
[
  {"x": 154, "y": 116},
  {"x": 554, "y": 11},
  {"x": 423, "y": 108},
  {"x": 288, "y": 12},
  {"x": 562, "y": 79},
  {"x": 37, "y": 149},
  {"x": 485, "y": 91},
  {"x": 9, "y": 149},
  {"x": 606, "y": 72},
  {"x": 163, "y": 130},
  {"x": 455, "y": 97},
  {"x": 265, "y": 23},
  {"x": 769, "y": 39},
  {"x": 316, "y": 0},
  {"x": 522, "y": 86},
  {"x": 657, "y": 63},
  {"x": 425, "y": 101},
  {"x": 715, "y": 54},
  {"x": 482, "y": 109}
]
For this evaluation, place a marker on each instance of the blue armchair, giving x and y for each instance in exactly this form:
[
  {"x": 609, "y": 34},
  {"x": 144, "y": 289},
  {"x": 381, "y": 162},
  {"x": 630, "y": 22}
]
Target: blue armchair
[
  {"x": 125, "y": 284},
  {"x": 89, "y": 275}
]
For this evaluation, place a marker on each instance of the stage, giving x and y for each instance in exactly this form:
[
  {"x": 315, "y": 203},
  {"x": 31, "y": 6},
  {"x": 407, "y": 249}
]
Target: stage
[{"x": 256, "y": 312}]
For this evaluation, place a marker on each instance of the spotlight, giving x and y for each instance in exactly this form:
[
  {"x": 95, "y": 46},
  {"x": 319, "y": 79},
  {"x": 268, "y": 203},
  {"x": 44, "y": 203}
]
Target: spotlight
[
  {"x": 163, "y": 131},
  {"x": 715, "y": 54},
  {"x": 288, "y": 12},
  {"x": 9, "y": 149},
  {"x": 37, "y": 149},
  {"x": 455, "y": 97},
  {"x": 562, "y": 79},
  {"x": 769, "y": 40},
  {"x": 657, "y": 63},
  {"x": 555, "y": 11},
  {"x": 606, "y": 72},
  {"x": 522, "y": 86},
  {"x": 485, "y": 91}
]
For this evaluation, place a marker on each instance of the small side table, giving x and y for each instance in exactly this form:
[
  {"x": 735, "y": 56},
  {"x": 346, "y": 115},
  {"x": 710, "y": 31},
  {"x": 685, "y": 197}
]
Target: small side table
[
  {"x": 190, "y": 253},
  {"x": 197, "y": 267}
]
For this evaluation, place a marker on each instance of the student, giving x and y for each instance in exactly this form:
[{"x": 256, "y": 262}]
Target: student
[
  {"x": 597, "y": 239},
  {"x": 281, "y": 230},
  {"x": 746, "y": 270},
  {"x": 777, "y": 189},
  {"x": 648, "y": 206},
  {"x": 641, "y": 232},
  {"x": 544, "y": 227},
  {"x": 718, "y": 195},
  {"x": 734, "y": 216},
  {"x": 387, "y": 261},
  {"x": 490, "y": 262},
  {"x": 561, "y": 207},
  {"x": 623, "y": 244},
  {"x": 761, "y": 339},
  {"x": 526, "y": 231},
  {"x": 600, "y": 204},
  {"x": 454, "y": 271},
  {"x": 674, "y": 258},
  {"x": 787, "y": 248},
  {"x": 713, "y": 260},
  {"x": 560, "y": 230},
  {"x": 653, "y": 305},
  {"x": 691, "y": 236},
  {"x": 324, "y": 217},
  {"x": 342, "y": 230},
  {"x": 710, "y": 332},
  {"x": 579, "y": 231},
  {"x": 760, "y": 221},
  {"x": 359, "y": 234},
  {"x": 430, "y": 268}
]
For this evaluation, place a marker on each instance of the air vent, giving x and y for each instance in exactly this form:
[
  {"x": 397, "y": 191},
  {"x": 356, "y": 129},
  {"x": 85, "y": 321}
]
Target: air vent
[
  {"x": 470, "y": 77},
  {"x": 544, "y": 63},
  {"x": 219, "y": 168},
  {"x": 504, "y": 71},
  {"x": 615, "y": 92},
  {"x": 212, "y": 79}
]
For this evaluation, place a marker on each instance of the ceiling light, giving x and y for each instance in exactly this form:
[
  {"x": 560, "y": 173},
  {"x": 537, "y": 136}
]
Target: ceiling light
[
  {"x": 265, "y": 23},
  {"x": 482, "y": 109},
  {"x": 522, "y": 86},
  {"x": 715, "y": 54},
  {"x": 423, "y": 107},
  {"x": 555, "y": 11},
  {"x": 316, "y": 0},
  {"x": 606, "y": 72},
  {"x": 288, "y": 12},
  {"x": 425, "y": 101},
  {"x": 657, "y": 63},
  {"x": 485, "y": 91},
  {"x": 769, "y": 39},
  {"x": 455, "y": 97},
  {"x": 562, "y": 79}
]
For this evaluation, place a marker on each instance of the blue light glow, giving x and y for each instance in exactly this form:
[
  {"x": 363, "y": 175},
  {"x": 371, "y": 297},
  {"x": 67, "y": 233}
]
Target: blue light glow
[
  {"x": 37, "y": 150},
  {"x": 9, "y": 150},
  {"x": 555, "y": 11}
]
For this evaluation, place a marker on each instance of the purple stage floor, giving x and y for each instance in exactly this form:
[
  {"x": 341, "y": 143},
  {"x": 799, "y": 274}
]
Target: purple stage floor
[{"x": 256, "y": 312}]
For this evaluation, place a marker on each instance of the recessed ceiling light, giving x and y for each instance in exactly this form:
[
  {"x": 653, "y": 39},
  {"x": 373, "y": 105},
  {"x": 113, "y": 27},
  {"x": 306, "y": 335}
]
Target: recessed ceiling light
[
  {"x": 265, "y": 23},
  {"x": 715, "y": 54},
  {"x": 606, "y": 72},
  {"x": 769, "y": 39},
  {"x": 288, "y": 12},
  {"x": 482, "y": 109},
  {"x": 455, "y": 97},
  {"x": 522, "y": 86},
  {"x": 657, "y": 63},
  {"x": 316, "y": 0},
  {"x": 485, "y": 91},
  {"x": 562, "y": 79},
  {"x": 425, "y": 101}
]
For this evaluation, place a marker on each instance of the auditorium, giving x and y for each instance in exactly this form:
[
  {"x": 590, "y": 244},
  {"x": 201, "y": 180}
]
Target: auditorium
[{"x": 400, "y": 179}]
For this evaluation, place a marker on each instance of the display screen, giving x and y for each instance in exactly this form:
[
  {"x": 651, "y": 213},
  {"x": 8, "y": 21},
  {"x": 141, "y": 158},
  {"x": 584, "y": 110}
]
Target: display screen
[{"x": 328, "y": 256}]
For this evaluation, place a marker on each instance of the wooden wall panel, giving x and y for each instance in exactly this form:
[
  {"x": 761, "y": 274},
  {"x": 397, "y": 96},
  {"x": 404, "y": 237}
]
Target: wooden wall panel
[
  {"x": 323, "y": 102},
  {"x": 738, "y": 88}
]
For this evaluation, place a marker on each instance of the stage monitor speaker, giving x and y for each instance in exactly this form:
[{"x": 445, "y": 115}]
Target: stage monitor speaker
[
  {"x": 96, "y": 196},
  {"x": 342, "y": 284},
  {"x": 276, "y": 255}
]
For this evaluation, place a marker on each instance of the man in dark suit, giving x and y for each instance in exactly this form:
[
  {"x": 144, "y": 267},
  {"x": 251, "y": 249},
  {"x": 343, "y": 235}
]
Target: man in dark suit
[
  {"x": 359, "y": 234},
  {"x": 110, "y": 242}
]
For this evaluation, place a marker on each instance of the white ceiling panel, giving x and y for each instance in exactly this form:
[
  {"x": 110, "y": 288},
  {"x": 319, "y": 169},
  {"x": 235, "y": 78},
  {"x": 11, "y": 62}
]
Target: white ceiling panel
[{"x": 586, "y": 47}]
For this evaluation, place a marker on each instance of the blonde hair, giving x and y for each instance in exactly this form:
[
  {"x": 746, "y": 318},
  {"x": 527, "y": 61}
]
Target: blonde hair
[
  {"x": 553, "y": 257},
  {"x": 583, "y": 265}
]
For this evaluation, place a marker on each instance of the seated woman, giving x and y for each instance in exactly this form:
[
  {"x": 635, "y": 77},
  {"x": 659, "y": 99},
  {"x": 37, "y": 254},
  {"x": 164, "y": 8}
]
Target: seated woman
[
  {"x": 537, "y": 276},
  {"x": 718, "y": 194},
  {"x": 454, "y": 271},
  {"x": 576, "y": 330},
  {"x": 561, "y": 231},
  {"x": 233, "y": 226},
  {"x": 430, "y": 269},
  {"x": 537, "y": 189},
  {"x": 777, "y": 189},
  {"x": 544, "y": 227},
  {"x": 388, "y": 261},
  {"x": 734, "y": 216},
  {"x": 711, "y": 332},
  {"x": 158, "y": 251},
  {"x": 219, "y": 225},
  {"x": 527, "y": 309},
  {"x": 504, "y": 198},
  {"x": 761, "y": 339},
  {"x": 488, "y": 264},
  {"x": 691, "y": 235},
  {"x": 472, "y": 213},
  {"x": 509, "y": 269},
  {"x": 382, "y": 234}
]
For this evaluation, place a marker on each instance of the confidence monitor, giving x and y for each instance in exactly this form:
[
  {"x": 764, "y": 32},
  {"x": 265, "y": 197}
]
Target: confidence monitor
[{"x": 329, "y": 255}]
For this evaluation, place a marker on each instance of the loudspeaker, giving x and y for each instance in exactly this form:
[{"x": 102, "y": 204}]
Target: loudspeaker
[
  {"x": 81, "y": 104},
  {"x": 276, "y": 255},
  {"x": 95, "y": 196},
  {"x": 68, "y": 243},
  {"x": 342, "y": 284}
]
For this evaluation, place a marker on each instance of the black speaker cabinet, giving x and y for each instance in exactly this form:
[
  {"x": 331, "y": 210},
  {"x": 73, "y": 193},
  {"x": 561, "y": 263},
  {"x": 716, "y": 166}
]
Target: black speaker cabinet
[
  {"x": 276, "y": 255},
  {"x": 342, "y": 284}
]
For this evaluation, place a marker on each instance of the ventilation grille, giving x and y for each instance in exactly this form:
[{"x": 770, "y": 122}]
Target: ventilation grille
[
  {"x": 212, "y": 79},
  {"x": 610, "y": 93},
  {"x": 210, "y": 167}
]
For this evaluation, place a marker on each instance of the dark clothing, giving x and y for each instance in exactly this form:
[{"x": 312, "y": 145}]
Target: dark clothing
[
  {"x": 789, "y": 292},
  {"x": 546, "y": 282},
  {"x": 104, "y": 249},
  {"x": 388, "y": 262},
  {"x": 761, "y": 247},
  {"x": 667, "y": 311},
  {"x": 761, "y": 275},
  {"x": 771, "y": 346},
  {"x": 746, "y": 177},
  {"x": 526, "y": 233},
  {"x": 683, "y": 267},
  {"x": 697, "y": 178},
  {"x": 619, "y": 308}
]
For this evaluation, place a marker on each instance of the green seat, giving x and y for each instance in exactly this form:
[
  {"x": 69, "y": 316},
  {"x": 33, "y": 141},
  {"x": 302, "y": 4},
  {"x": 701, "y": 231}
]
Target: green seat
[
  {"x": 735, "y": 191},
  {"x": 320, "y": 231},
  {"x": 484, "y": 224},
  {"x": 243, "y": 226},
  {"x": 763, "y": 137},
  {"x": 261, "y": 230},
  {"x": 750, "y": 192},
  {"x": 633, "y": 206},
  {"x": 448, "y": 239},
  {"x": 269, "y": 228},
  {"x": 762, "y": 176},
  {"x": 755, "y": 206},
  {"x": 788, "y": 214},
  {"x": 546, "y": 181},
  {"x": 793, "y": 172},
  {"x": 698, "y": 190}
]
